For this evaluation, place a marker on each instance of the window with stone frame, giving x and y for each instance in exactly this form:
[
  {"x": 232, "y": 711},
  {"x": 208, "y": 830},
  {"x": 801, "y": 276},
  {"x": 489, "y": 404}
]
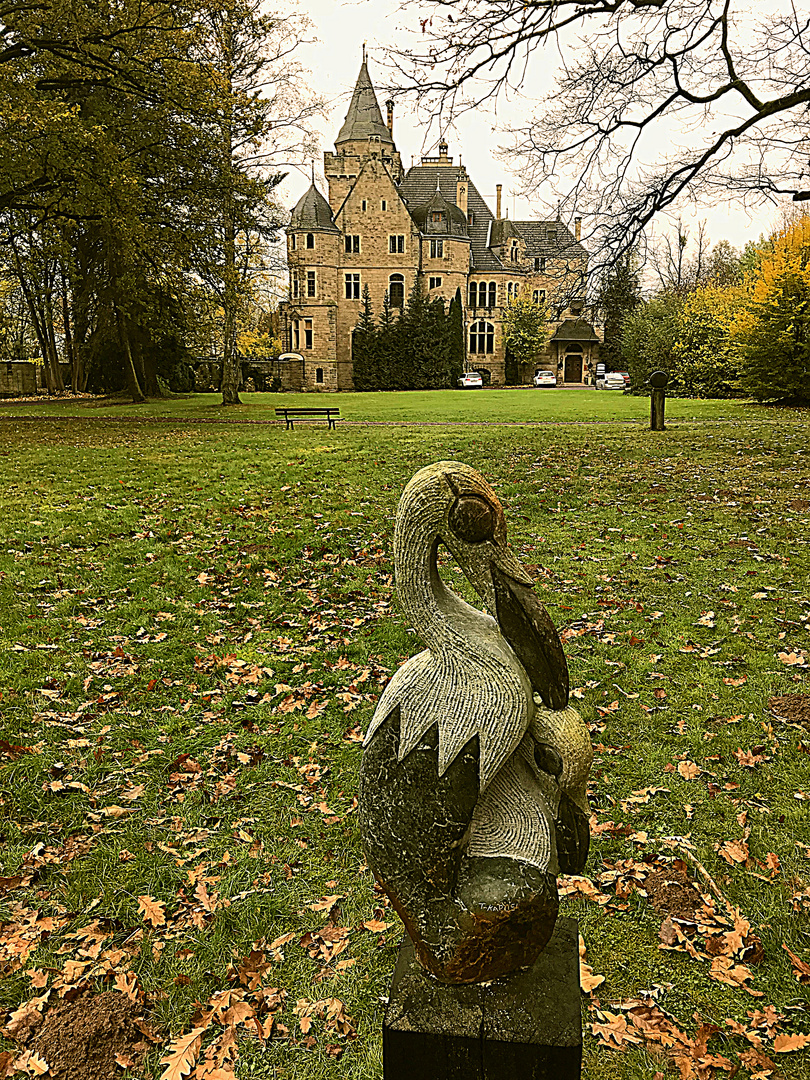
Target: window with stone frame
[
  {"x": 352, "y": 245},
  {"x": 295, "y": 335},
  {"x": 383, "y": 205},
  {"x": 539, "y": 264},
  {"x": 493, "y": 294},
  {"x": 310, "y": 240},
  {"x": 292, "y": 241},
  {"x": 437, "y": 249},
  {"x": 308, "y": 337},
  {"x": 473, "y": 301},
  {"x": 319, "y": 375},
  {"x": 434, "y": 283},
  {"x": 513, "y": 254},
  {"x": 311, "y": 287},
  {"x": 396, "y": 245},
  {"x": 295, "y": 287},
  {"x": 482, "y": 337},
  {"x": 539, "y": 296},
  {"x": 352, "y": 284},
  {"x": 396, "y": 290}
]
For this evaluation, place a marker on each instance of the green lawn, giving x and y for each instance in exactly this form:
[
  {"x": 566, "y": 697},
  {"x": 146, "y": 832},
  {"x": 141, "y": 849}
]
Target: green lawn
[
  {"x": 195, "y": 624},
  {"x": 512, "y": 404}
]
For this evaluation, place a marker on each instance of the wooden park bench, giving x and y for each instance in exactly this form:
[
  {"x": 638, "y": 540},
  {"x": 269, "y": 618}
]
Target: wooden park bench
[{"x": 291, "y": 415}]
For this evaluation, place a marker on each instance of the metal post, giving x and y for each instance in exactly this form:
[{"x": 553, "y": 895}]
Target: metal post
[{"x": 658, "y": 382}]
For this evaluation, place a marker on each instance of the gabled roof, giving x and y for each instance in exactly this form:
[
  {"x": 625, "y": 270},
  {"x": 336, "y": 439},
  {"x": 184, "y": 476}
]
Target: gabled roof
[
  {"x": 312, "y": 211},
  {"x": 575, "y": 330},
  {"x": 453, "y": 219},
  {"x": 552, "y": 239},
  {"x": 419, "y": 185},
  {"x": 364, "y": 117}
]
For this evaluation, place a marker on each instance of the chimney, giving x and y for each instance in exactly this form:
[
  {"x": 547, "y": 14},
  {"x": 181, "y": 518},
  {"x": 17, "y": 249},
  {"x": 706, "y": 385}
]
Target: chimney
[
  {"x": 578, "y": 228},
  {"x": 390, "y": 121},
  {"x": 461, "y": 192},
  {"x": 498, "y": 188}
]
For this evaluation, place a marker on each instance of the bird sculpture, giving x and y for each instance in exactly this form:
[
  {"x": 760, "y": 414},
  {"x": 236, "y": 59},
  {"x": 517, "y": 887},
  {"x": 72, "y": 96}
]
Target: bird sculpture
[{"x": 472, "y": 784}]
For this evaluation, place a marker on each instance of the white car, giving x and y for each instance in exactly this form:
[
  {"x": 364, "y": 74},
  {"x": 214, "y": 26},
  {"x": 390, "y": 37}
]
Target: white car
[
  {"x": 545, "y": 378},
  {"x": 470, "y": 380},
  {"x": 614, "y": 380}
]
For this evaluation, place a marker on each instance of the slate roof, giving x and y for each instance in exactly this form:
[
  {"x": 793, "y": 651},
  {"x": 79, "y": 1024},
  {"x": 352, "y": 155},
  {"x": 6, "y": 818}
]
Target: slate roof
[
  {"x": 364, "y": 117},
  {"x": 552, "y": 239},
  {"x": 419, "y": 185},
  {"x": 312, "y": 211},
  {"x": 575, "y": 330}
]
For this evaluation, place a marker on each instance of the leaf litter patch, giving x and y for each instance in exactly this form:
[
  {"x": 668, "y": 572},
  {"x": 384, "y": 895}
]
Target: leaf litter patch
[{"x": 93, "y": 1036}]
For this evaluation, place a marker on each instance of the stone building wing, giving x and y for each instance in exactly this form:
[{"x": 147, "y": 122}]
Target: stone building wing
[
  {"x": 364, "y": 117},
  {"x": 419, "y": 186},
  {"x": 312, "y": 212}
]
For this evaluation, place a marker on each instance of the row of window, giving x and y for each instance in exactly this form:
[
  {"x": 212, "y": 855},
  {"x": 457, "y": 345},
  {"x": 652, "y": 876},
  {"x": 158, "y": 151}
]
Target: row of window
[
  {"x": 482, "y": 293},
  {"x": 396, "y": 246},
  {"x": 482, "y": 338},
  {"x": 485, "y": 294}
]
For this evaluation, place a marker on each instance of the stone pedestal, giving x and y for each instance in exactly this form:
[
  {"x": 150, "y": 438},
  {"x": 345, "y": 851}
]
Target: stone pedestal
[
  {"x": 657, "y": 408},
  {"x": 524, "y": 1026}
]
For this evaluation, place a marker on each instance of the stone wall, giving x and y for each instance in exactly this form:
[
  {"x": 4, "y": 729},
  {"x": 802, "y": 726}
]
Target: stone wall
[{"x": 19, "y": 379}]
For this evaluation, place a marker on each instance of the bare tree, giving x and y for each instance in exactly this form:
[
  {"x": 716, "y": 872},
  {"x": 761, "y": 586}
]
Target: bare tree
[{"x": 725, "y": 88}]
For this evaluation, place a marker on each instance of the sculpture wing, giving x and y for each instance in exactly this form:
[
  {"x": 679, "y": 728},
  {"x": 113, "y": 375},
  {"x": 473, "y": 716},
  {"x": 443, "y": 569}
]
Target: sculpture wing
[
  {"x": 528, "y": 628},
  {"x": 484, "y": 698}
]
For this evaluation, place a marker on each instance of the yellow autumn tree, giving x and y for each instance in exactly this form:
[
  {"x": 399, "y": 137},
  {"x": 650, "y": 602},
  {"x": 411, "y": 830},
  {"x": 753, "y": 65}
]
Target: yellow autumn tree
[
  {"x": 772, "y": 333},
  {"x": 706, "y": 351}
]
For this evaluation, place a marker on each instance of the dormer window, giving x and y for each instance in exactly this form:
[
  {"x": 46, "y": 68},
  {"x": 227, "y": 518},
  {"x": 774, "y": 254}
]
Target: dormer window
[
  {"x": 471, "y": 218},
  {"x": 513, "y": 254},
  {"x": 437, "y": 217},
  {"x": 539, "y": 264},
  {"x": 310, "y": 240}
]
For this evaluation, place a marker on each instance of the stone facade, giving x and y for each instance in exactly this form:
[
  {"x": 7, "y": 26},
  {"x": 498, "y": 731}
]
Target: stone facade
[{"x": 384, "y": 227}]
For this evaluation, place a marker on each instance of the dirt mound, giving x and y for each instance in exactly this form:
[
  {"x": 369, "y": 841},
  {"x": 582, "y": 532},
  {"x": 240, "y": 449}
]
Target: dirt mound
[
  {"x": 795, "y": 708},
  {"x": 671, "y": 892},
  {"x": 81, "y": 1039}
]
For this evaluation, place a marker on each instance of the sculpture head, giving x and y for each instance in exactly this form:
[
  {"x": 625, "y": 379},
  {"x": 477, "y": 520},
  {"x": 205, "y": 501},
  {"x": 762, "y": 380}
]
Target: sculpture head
[{"x": 451, "y": 503}]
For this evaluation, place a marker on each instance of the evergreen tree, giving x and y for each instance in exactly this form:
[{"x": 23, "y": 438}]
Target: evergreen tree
[
  {"x": 418, "y": 334},
  {"x": 388, "y": 346},
  {"x": 457, "y": 352},
  {"x": 364, "y": 347},
  {"x": 619, "y": 296}
]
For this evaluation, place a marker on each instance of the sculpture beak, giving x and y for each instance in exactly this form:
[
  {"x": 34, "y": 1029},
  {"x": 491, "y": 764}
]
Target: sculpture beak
[{"x": 528, "y": 628}]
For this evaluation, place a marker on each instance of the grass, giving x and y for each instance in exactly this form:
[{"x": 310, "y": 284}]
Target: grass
[
  {"x": 177, "y": 599},
  {"x": 512, "y": 404}
]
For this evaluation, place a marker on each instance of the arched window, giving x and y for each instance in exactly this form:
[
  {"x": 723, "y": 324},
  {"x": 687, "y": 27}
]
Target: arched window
[
  {"x": 482, "y": 294},
  {"x": 310, "y": 240},
  {"x": 473, "y": 294},
  {"x": 396, "y": 290},
  {"x": 509, "y": 293},
  {"x": 319, "y": 375},
  {"x": 482, "y": 337},
  {"x": 492, "y": 294}
]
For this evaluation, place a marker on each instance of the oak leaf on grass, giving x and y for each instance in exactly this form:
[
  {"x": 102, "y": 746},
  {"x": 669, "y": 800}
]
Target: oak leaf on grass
[
  {"x": 153, "y": 911},
  {"x": 181, "y": 1055}
]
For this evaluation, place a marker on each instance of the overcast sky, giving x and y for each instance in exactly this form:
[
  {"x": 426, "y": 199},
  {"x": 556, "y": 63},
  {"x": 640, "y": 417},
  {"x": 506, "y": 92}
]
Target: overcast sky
[{"x": 334, "y": 61}]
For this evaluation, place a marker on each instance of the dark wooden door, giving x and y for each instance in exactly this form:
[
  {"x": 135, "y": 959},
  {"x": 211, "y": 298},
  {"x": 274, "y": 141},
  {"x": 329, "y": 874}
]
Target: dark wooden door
[{"x": 573, "y": 367}]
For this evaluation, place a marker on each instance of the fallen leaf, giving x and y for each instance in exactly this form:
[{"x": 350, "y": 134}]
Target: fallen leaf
[
  {"x": 181, "y": 1055},
  {"x": 152, "y": 910},
  {"x": 689, "y": 770}
]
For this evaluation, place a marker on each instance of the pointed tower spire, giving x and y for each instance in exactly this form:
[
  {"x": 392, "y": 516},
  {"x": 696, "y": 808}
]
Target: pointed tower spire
[{"x": 364, "y": 117}]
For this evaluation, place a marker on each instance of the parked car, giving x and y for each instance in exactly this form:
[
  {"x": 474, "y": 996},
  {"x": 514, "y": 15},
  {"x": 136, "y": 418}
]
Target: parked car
[
  {"x": 614, "y": 380},
  {"x": 599, "y": 378},
  {"x": 545, "y": 378},
  {"x": 626, "y": 376},
  {"x": 470, "y": 380}
]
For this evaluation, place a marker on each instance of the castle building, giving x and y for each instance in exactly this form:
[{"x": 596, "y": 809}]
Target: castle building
[{"x": 384, "y": 226}]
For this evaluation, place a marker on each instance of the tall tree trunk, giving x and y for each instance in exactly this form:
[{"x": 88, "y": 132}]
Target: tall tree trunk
[
  {"x": 230, "y": 293},
  {"x": 130, "y": 372},
  {"x": 70, "y": 348},
  {"x": 53, "y": 352},
  {"x": 131, "y": 375}
]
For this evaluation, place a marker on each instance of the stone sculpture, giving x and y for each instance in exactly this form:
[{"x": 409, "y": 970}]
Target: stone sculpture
[{"x": 472, "y": 787}]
